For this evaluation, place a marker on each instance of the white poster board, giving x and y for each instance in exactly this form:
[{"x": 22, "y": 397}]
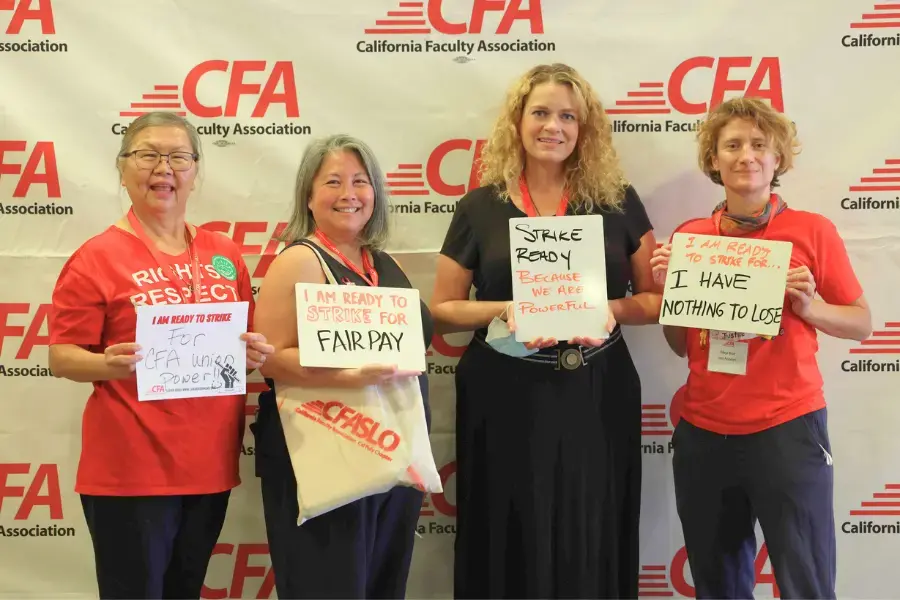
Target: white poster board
[
  {"x": 726, "y": 283},
  {"x": 559, "y": 277},
  {"x": 353, "y": 326},
  {"x": 191, "y": 350}
]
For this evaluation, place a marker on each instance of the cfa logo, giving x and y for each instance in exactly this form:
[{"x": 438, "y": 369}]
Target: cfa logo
[
  {"x": 652, "y": 579},
  {"x": 243, "y": 571},
  {"x": 759, "y": 78},
  {"x": 37, "y": 168},
  {"x": 25, "y": 10},
  {"x": 439, "y": 502},
  {"x": 46, "y": 475},
  {"x": 27, "y": 327},
  {"x": 411, "y": 180},
  {"x": 419, "y": 18},
  {"x": 275, "y": 86},
  {"x": 882, "y": 18}
]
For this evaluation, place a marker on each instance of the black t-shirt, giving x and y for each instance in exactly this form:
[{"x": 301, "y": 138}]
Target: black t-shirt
[{"x": 478, "y": 239}]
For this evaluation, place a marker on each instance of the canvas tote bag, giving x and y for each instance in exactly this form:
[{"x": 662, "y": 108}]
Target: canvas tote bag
[{"x": 346, "y": 444}]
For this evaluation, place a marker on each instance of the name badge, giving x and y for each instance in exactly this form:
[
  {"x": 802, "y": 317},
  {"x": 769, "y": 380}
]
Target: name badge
[
  {"x": 730, "y": 336},
  {"x": 727, "y": 356}
]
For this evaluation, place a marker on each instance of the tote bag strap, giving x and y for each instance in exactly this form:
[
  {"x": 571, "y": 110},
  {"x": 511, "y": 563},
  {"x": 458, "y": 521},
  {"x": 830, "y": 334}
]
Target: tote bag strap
[{"x": 329, "y": 276}]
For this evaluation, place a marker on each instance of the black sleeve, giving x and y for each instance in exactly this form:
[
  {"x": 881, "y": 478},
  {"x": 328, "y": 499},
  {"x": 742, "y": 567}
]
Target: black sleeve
[
  {"x": 459, "y": 242},
  {"x": 637, "y": 223}
]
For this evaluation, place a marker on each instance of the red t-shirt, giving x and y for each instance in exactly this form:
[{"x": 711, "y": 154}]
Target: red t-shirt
[
  {"x": 782, "y": 381},
  {"x": 164, "y": 447}
]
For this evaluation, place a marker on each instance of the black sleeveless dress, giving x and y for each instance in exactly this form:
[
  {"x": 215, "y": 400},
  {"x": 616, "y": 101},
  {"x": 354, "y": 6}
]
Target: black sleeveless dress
[{"x": 361, "y": 550}]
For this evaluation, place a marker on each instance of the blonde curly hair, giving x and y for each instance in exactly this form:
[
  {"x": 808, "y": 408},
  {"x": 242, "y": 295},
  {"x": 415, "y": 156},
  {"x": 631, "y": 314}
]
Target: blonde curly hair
[
  {"x": 593, "y": 175},
  {"x": 780, "y": 132}
]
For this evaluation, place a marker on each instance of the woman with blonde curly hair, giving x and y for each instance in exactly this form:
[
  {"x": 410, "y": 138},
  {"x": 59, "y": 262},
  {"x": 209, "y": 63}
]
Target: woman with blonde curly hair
[
  {"x": 756, "y": 446},
  {"x": 548, "y": 451}
]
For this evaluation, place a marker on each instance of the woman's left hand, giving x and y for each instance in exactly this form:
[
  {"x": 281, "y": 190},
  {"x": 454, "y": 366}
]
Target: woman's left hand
[
  {"x": 257, "y": 349},
  {"x": 591, "y": 341},
  {"x": 801, "y": 289}
]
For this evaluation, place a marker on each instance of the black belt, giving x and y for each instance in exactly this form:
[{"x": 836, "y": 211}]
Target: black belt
[{"x": 568, "y": 359}]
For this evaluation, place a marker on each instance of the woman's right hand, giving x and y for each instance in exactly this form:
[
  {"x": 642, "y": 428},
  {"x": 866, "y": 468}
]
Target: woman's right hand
[
  {"x": 659, "y": 263},
  {"x": 378, "y": 374},
  {"x": 122, "y": 359},
  {"x": 538, "y": 343}
]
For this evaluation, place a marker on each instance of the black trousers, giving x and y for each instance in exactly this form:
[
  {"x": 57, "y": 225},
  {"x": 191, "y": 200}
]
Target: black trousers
[
  {"x": 782, "y": 476},
  {"x": 360, "y": 550},
  {"x": 153, "y": 546}
]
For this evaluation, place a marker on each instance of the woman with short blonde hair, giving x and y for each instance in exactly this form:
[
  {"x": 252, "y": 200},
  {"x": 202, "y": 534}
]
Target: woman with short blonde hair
[{"x": 755, "y": 445}]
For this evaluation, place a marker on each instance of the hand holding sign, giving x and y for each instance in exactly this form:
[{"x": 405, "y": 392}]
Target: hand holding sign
[
  {"x": 724, "y": 283},
  {"x": 801, "y": 288}
]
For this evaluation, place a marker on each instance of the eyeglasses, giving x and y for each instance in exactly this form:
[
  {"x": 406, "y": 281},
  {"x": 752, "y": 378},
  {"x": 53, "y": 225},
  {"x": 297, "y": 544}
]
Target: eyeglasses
[{"x": 148, "y": 159}]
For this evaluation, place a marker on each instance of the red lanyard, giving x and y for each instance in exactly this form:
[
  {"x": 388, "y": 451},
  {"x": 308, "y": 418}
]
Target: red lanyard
[
  {"x": 372, "y": 278},
  {"x": 528, "y": 205},
  {"x": 193, "y": 287},
  {"x": 773, "y": 203}
]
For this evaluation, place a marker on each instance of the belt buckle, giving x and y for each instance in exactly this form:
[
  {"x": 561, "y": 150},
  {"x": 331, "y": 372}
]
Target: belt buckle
[{"x": 570, "y": 359}]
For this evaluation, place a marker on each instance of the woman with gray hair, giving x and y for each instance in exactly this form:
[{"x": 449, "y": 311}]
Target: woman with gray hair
[
  {"x": 154, "y": 477},
  {"x": 340, "y": 215}
]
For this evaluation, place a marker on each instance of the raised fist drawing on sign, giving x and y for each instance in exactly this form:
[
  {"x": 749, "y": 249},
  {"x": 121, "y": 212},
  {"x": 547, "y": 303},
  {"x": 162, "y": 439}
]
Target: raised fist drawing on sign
[{"x": 228, "y": 374}]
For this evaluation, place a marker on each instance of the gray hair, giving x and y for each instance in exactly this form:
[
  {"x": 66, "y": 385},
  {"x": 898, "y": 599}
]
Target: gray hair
[
  {"x": 159, "y": 119},
  {"x": 301, "y": 224}
]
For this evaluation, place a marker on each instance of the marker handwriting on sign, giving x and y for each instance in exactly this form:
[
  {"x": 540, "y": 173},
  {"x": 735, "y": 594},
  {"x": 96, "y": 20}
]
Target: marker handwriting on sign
[
  {"x": 178, "y": 352},
  {"x": 346, "y": 326},
  {"x": 543, "y": 235},
  {"x": 729, "y": 253},
  {"x": 726, "y": 283}
]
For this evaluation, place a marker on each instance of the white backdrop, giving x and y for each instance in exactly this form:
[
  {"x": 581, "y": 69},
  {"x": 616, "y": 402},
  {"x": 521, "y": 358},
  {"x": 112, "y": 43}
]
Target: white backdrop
[{"x": 421, "y": 82}]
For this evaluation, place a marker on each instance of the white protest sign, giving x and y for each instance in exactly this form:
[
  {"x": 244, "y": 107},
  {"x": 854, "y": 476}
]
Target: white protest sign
[
  {"x": 559, "y": 277},
  {"x": 726, "y": 283},
  {"x": 353, "y": 326},
  {"x": 191, "y": 350}
]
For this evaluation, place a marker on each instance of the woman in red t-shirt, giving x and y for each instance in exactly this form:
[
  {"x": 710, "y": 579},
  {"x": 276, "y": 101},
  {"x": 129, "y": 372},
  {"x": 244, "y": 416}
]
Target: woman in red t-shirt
[
  {"x": 755, "y": 445},
  {"x": 154, "y": 477}
]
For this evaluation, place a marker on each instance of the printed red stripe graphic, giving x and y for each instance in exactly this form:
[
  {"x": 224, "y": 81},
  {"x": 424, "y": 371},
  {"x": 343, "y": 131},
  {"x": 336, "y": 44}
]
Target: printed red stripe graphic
[
  {"x": 875, "y": 25},
  {"x": 875, "y": 513},
  {"x": 638, "y": 111},
  {"x": 165, "y": 88},
  {"x": 160, "y": 96},
  {"x": 875, "y": 188},
  {"x": 398, "y": 30},
  {"x": 883, "y": 15},
  {"x": 399, "y": 22},
  {"x": 640, "y": 102},
  {"x": 645, "y": 94},
  {"x": 133, "y": 113},
  {"x": 646, "y": 84},
  {"x": 156, "y": 105}
]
